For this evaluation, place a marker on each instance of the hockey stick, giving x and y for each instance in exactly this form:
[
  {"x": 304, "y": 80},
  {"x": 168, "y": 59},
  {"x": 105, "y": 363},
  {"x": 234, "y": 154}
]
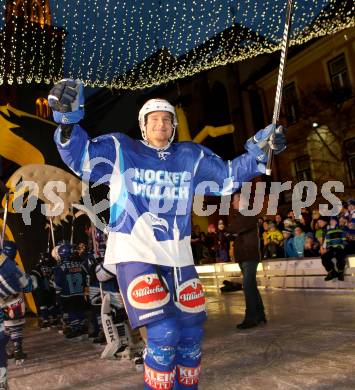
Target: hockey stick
[
  {"x": 52, "y": 230},
  {"x": 4, "y": 219},
  {"x": 72, "y": 226},
  {"x": 280, "y": 81}
]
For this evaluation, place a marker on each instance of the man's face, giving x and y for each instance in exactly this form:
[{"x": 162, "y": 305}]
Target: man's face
[{"x": 159, "y": 128}]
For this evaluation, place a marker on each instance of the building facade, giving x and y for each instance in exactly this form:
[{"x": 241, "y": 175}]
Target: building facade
[{"x": 318, "y": 110}]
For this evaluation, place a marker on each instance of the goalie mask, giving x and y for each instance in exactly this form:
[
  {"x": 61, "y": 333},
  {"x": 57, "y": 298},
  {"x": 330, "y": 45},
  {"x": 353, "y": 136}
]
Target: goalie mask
[{"x": 153, "y": 105}]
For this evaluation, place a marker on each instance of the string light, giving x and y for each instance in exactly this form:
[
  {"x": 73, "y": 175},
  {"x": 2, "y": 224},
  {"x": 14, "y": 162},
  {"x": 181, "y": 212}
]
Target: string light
[{"x": 134, "y": 44}]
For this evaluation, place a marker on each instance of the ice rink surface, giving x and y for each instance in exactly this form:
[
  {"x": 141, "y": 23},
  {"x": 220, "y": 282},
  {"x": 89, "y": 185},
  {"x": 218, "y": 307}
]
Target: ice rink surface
[{"x": 308, "y": 343}]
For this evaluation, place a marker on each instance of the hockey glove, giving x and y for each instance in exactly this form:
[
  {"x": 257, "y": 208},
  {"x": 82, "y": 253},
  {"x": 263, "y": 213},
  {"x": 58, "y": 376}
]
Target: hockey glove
[
  {"x": 262, "y": 141},
  {"x": 66, "y": 99}
]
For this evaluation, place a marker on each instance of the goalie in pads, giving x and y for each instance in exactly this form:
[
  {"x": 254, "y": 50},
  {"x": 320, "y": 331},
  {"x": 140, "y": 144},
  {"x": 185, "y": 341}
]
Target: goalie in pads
[{"x": 122, "y": 342}]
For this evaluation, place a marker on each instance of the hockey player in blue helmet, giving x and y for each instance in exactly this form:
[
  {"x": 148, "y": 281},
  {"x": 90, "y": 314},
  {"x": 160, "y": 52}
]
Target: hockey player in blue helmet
[
  {"x": 13, "y": 282},
  {"x": 152, "y": 185},
  {"x": 69, "y": 282},
  {"x": 45, "y": 293},
  {"x": 89, "y": 263},
  {"x": 9, "y": 248}
]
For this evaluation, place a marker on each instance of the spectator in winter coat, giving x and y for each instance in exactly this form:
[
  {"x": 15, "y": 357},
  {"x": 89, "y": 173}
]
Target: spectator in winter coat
[
  {"x": 222, "y": 253},
  {"x": 298, "y": 241},
  {"x": 321, "y": 230},
  {"x": 311, "y": 246},
  {"x": 335, "y": 242},
  {"x": 245, "y": 229},
  {"x": 350, "y": 237},
  {"x": 289, "y": 247},
  {"x": 273, "y": 242}
]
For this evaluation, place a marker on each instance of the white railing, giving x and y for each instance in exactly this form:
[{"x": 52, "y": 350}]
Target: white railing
[{"x": 279, "y": 273}]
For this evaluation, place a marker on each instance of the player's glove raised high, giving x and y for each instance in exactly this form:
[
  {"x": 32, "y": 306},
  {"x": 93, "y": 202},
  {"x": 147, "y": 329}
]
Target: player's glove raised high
[
  {"x": 66, "y": 99},
  {"x": 263, "y": 140}
]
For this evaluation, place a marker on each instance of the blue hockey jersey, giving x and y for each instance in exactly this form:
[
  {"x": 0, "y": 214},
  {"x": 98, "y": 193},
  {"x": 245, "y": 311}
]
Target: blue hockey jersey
[
  {"x": 12, "y": 279},
  {"x": 69, "y": 279},
  {"x": 151, "y": 191}
]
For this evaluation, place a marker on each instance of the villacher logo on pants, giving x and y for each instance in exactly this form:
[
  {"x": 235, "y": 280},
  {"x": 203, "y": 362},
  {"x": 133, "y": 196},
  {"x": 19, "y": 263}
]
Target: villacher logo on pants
[
  {"x": 191, "y": 297},
  {"x": 146, "y": 292}
]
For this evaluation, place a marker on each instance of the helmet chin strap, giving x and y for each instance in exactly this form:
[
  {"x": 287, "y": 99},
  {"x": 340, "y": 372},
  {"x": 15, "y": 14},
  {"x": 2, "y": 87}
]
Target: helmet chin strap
[{"x": 146, "y": 142}]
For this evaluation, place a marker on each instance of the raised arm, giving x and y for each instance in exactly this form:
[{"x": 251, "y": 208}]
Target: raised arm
[
  {"x": 228, "y": 176},
  {"x": 93, "y": 158}
]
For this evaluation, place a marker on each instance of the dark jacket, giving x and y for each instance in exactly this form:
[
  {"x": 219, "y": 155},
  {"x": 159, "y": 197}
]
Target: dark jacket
[{"x": 245, "y": 231}]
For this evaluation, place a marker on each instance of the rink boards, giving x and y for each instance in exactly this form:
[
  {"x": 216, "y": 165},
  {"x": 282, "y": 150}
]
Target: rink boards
[{"x": 279, "y": 273}]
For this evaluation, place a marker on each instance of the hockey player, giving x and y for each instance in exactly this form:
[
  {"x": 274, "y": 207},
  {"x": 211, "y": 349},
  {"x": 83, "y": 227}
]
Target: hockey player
[
  {"x": 13, "y": 282},
  {"x": 45, "y": 292},
  {"x": 89, "y": 263},
  {"x": 121, "y": 341},
  {"x": 152, "y": 183},
  {"x": 70, "y": 284}
]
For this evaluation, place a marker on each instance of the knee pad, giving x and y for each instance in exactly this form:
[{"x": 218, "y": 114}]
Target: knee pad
[
  {"x": 188, "y": 357},
  {"x": 162, "y": 340},
  {"x": 159, "y": 363},
  {"x": 189, "y": 347}
]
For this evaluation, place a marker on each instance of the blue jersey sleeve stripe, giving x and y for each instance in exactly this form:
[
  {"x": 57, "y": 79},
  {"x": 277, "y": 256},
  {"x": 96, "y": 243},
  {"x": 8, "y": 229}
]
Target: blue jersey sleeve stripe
[
  {"x": 84, "y": 165},
  {"x": 197, "y": 163},
  {"x": 118, "y": 191}
]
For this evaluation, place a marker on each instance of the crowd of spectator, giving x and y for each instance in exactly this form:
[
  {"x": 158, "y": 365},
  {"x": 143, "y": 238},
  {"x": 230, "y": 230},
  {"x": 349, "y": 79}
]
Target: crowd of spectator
[{"x": 285, "y": 236}]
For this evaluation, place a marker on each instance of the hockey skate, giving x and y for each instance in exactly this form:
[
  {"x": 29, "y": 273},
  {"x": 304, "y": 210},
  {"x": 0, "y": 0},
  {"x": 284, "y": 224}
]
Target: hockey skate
[{"x": 19, "y": 356}]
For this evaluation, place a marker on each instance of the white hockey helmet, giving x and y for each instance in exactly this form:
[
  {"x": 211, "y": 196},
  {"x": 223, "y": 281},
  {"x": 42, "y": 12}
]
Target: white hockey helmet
[{"x": 156, "y": 105}]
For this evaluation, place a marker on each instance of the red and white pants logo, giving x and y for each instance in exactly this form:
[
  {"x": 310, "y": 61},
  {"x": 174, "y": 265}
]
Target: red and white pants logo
[
  {"x": 188, "y": 376},
  {"x": 158, "y": 380}
]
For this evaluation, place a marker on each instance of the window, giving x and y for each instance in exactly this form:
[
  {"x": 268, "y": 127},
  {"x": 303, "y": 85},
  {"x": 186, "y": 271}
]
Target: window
[
  {"x": 339, "y": 78},
  {"x": 303, "y": 168},
  {"x": 291, "y": 103},
  {"x": 349, "y": 146}
]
